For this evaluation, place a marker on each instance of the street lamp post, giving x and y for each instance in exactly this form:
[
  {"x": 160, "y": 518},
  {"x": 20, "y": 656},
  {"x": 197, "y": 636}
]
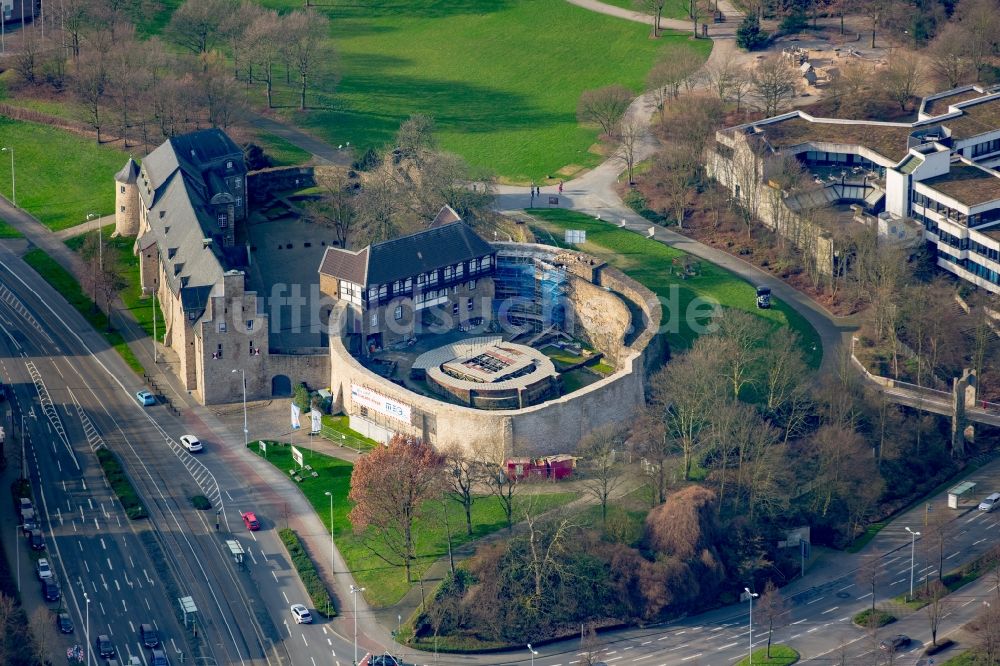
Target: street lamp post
[
  {"x": 750, "y": 596},
  {"x": 13, "y": 180},
  {"x": 330, "y": 495},
  {"x": 533, "y": 654},
  {"x": 246, "y": 431},
  {"x": 913, "y": 546},
  {"x": 354, "y": 591},
  {"x": 89, "y": 646}
]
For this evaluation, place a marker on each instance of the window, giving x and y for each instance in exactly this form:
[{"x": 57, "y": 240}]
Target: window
[
  {"x": 218, "y": 353},
  {"x": 408, "y": 284},
  {"x": 459, "y": 270},
  {"x": 163, "y": 214},
  {"x": 421, "y": 280},
  {"x": 374, "y": 319},
  {"x": 249, "y": 324},
  {"x": 383, "y": 291},
  {"x": 454, "y": 308},
  {"x": 396, "y": 286},
  {"x": 449, "y": 272},
  {"x": 469, "y": 306},
  {"x": 123, "y": 209},
  {"x": 238, "y": 184},
  {"x": 372, "y": 293},
  {"x": 229, "y": 164},
  {"x": 472, "y": 285},
  {"x": 397, "y": 314},
  {"x": 432, "y": 277},
  {"x": 484, "y": 263},
  {"x": 222, "y": 327},
  {"x": 222, "y": 220},
  {"x": 123, "y": 189},
  {"x": 239, "y": 201}
]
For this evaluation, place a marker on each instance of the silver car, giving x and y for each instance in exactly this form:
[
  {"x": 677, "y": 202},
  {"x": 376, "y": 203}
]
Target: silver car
[{"x": 991, "y": 502}]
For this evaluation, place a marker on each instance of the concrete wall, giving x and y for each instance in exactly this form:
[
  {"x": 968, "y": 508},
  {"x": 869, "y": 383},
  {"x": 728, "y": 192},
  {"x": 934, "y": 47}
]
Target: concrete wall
[{"x": 261, "y": 184}]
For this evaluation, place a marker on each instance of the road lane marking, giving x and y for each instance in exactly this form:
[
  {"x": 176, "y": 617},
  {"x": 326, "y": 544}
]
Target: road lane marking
[
  {"x": 285, "y": 596},
  {"x": 726, "y": 647},
  {"x": 646, "y": 643},
  {"x": 799, "y": 621},
  {"x": 103, "y": 545},
  {"x": 808, "y": 603},
  {"x": 976, "y": 543},
  {"x": 897, "y": 582},
  {"x": 829, "y": 610},
  {"x": 304, "y": 639},
  {"x": 110, "y": 568},
  {"x": 957, "y": 552},
  {"x": 809, "y": 631},
  {"x": 694, "y": 656},
  {"x": 862, "y": 597}
]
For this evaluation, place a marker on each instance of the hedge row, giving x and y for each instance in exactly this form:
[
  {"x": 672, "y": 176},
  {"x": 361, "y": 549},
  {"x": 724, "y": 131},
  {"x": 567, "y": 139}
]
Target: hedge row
[
  {"x": 320, "y": 596},
  {"x": 121, "y": 485},
  {"x": 882, "y": 618}
]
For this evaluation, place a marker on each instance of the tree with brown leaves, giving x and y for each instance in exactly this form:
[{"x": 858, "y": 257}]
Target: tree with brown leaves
[{"x": 389, "y": 487}]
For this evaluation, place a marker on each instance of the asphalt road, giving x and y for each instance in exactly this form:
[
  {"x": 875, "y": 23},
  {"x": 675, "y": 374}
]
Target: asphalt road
[{"x": 243, "y": 615}]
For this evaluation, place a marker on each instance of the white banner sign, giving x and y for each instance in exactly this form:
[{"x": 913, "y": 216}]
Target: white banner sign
[
  {"x": 316, "y": 419},
  {"x": 297, "y": 456},
  {"x": 262, "y": 446},
  {"x": 295, "y": 417},
  {"x": 386, "y": 406}
]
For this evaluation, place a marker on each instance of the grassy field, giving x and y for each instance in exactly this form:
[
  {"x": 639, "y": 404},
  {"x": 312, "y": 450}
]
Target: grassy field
[
  {"x": 7, "y": 231},
  {"x": 500, "y": 77},
  {"x": 675, "y": 9},
  {"x": 385, "y": 584},
  {"x": 61, "y": 177},
  {"x": 66, "y": 284},
  {"x": 781, "y": 655},
  {"x": 138, "y": 305},
  {"x": 649, "y": 262}
]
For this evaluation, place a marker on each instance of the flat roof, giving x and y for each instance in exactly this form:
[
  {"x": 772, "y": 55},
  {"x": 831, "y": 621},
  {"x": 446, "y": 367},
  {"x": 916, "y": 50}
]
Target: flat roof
[
  {"x": 940, "y": 105},
  {"x": 967, "y": 184},
  {"x": 886, "y": 140},
  {"x": 977, "y": 118}
]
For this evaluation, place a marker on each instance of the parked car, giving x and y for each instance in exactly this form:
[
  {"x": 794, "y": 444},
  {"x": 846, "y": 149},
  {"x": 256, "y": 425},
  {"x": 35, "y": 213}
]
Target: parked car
[
  {"x": 64, "y": 623},
  {"x": 250, "y": 520},
  {"x": 894, "y": 642},
  {"x": 383, "y": 659},
  {"x": 145, "y": 398},
  {"x": 24, "y": 504},
  {"x": 50, "y": 589},
  {"x": 28, "y": 521},
  {"x": 301, "y": 614},
  {"x": 148, "y": 636},
  {"x": 990, "y": 502},
  {"x": 191, "y": 443},
  {"x": 35, "y": 540},
  {"x": 44, "y": 571},
  {"x": 764, "y": 298},
  {"x": 104, "y": 646},
  {"x": 158, "y": 658}
]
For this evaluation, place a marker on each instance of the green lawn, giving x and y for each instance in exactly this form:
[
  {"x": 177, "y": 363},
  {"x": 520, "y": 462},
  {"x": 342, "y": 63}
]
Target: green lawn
[
  {"x": 7, "y": 231},
  {"x": 66, "y": 284},
  {"x": 281, "y": 152},
  {"x": 649, "y": 262},
  {"x": 500, "y": 77},
  {"x": 385, "y": 584},
  {"x": 340, "y": 431},
  {"x": 138, "y": 305},
  {"x": 781, "y": 655},
  {"x": 61, "y": 177}
]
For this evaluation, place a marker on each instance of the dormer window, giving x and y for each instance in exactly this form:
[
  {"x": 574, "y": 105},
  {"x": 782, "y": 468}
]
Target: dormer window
[
  {"x": 171, "y": 252},
  {"x": 163, "y": 214},
  {"x": 229, "y": 164},
  {"x": 178, "y": 268},
  {"x": 421, "y": 280}
]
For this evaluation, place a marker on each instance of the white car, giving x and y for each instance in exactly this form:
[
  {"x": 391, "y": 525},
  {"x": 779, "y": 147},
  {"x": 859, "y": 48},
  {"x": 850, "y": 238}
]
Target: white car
[
  {"x": 43, "y": 569},
  {"x": 191, "y": 443},
  {"x": 301, "y": 614},
  {"x": 991, "y": 502}
]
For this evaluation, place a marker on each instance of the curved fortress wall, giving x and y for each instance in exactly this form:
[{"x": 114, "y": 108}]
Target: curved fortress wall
[{"x": 555, "y": 426}]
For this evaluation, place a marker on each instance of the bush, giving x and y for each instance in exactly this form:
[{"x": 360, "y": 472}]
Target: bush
[
  {"x": 369, "y": 161},
  {"x": 881, "y": 618},
  {"x": 121, "y": 484},
  {"x": 794, "y": 22},
  {"x": 749, "y": 36},
  {"x": 318, "y": 594},
  {"x": 201, "y": 503},
  {"x": 940, "y": 647}
]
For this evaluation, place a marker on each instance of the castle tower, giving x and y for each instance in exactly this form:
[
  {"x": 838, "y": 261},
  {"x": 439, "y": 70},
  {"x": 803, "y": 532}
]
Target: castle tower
[{"x": 127, "y": 200}]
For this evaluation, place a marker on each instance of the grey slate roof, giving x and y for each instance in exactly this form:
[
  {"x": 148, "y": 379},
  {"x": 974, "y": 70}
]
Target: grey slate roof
[
  {"x": 407, "y": 256},
  {"x": 129, "y": 172},
  {"x": 176, "y": 180}
]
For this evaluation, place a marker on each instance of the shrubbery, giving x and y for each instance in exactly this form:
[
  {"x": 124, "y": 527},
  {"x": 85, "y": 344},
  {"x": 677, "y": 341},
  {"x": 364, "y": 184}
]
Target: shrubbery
[
  {"x": 318, "y": 594},
  {"x": 749, "y": 36},
  {"x": 201, "y": 503},
  {"x": 879, "y": 618},
  {"x": 121, "y": 484}
]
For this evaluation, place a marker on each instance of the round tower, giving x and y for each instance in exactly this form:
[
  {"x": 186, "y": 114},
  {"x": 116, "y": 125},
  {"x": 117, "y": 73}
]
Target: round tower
[{"x": 127, "y": 200}]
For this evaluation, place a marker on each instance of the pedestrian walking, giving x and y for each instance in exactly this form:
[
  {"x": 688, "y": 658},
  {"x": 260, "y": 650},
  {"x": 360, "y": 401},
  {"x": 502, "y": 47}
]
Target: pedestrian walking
[{"x": 560, "y": 187}]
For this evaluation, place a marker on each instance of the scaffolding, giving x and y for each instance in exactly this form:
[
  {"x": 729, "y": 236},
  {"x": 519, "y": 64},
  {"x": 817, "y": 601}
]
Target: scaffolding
[{"x": 529, "y": 292}]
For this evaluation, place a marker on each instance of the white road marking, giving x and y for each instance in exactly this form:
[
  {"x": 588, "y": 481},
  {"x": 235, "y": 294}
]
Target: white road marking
[
  {"x": 799, "y": 621},
  {"x": 829, "y": 610},
  {"x": 304, "y": 639},
  {"x": 103, "y": 545},
  {"x": 726, "y": 647},
  {"x": 285, "y": 596},
  {"x": 808, "y": 603},
  {"x": 862, "y": 597},
  {"x": 694, "y": 656}
]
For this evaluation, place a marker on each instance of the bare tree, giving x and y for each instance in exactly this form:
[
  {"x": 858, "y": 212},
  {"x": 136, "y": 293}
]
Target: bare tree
[
  {"x": 675, "y": 64},
  {"x": 771, "y": 609},
  {"x": 948, "y": 57},
  {"x": 696, "y": 9},
  {"x": 630, "y": 134},
  {"x": 90, "y": 84},
  {"x": 673, "y": 175},
  {"x": 264, "y": 38},
  {"x": 378, "y": 205},
  {"x": 463, "y": 473},
  {"x": 604, "y": 107},
  {"x": 45, "y": 641},
  {"x": 869, "y": 574},
  {"x": 196, "y": 25},
  {"x": 876, "y": 11},
  {"x": 935, "y": 607},
  {"x": 980, "y": 22},
  {"x": 546, "y": 541},
  {"x": 415, "y": 138},
  {"x": 306, "y": 33},
  {"x": 773, "y": 82},
  {"x": 902, "y": 78},
  {"x": 602, "y": 466},
  {"x": 655, "y": 8},
  {"x": 335, "y": 208},
  {"x": 504, "y": 487}
]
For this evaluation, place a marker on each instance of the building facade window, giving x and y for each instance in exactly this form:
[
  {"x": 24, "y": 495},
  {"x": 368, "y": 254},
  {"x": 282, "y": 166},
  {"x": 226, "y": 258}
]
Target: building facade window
[
  {"x": 123, "y": 189},
  {"x": 397, "y": 313},
  {"x": 218, "y": 352},
  {"x": 374, "y": 319},
  {"x": 449, "y": 272},
  {"x": 459, "y": 270},
  {"x": 223, "y": 220},
  {"x": 432, "y": 277},
  {"x": 421, "y": 280},
  {"x": 249, "y": 324},
  {"x": 454, "y": 308},
  {"x": 383, "y": 291},
  {"x": 469, "y": 306},
  {"x": 472, "y": 285},
  {"x": 222, "y": 327},
  {"x": 123, "y": 209}
]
